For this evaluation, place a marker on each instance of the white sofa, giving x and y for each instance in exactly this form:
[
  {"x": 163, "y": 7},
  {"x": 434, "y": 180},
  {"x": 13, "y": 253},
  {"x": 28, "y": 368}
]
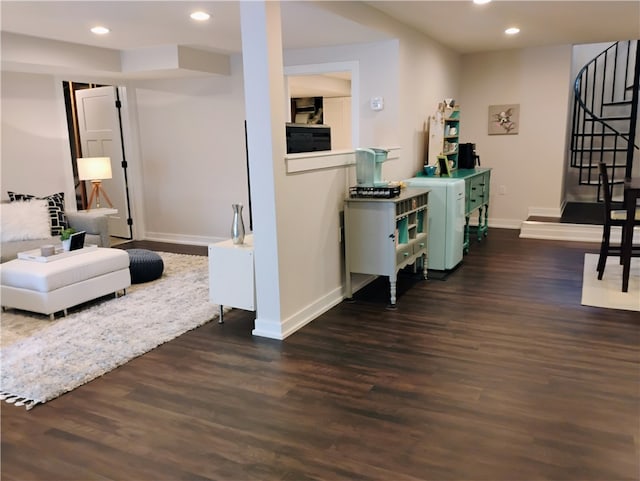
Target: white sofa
[{"x": 96, "y": 227}]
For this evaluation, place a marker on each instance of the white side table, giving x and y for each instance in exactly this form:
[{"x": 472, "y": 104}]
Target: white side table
[{"x": 231, "y": 275}]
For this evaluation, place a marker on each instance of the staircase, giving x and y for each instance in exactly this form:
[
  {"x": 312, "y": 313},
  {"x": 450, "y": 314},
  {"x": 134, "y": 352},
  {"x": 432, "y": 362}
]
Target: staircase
[{"x": 605, "y": 115}]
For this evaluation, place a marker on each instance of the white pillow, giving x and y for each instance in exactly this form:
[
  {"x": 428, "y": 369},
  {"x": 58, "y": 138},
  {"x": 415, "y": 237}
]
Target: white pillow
[{"x": 25, "y": 220}]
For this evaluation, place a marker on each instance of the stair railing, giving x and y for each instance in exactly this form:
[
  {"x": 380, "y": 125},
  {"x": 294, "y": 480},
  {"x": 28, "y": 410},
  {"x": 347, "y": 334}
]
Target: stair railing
[{"x": 608, "y": 82}]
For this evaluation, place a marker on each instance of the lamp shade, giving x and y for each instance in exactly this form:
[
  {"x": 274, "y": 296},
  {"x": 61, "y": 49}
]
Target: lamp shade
[{"x": 94, "y": 168}]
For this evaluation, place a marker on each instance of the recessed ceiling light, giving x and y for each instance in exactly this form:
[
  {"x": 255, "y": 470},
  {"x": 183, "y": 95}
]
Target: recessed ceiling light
[
  {"x": 201, "y": 16},
  {"x": 99, "y": 30},
  {"x": 481, "y": 2},
  {"x": 512, "y": 30}
]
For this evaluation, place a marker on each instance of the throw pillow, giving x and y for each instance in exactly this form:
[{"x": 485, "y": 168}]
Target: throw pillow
[
  {"x": 57, "y": 217},
  {"x": 25, "y": 220}
]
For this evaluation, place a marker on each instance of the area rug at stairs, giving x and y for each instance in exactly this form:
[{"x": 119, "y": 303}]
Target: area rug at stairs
[
  {"x": 42, "y": 359},
  {"x": 608, "y": 291}
]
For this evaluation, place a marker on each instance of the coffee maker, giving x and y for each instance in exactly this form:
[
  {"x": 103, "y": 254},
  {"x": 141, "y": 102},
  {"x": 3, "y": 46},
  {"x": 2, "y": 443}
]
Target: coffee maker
[
  {"x": 467, "y": 157},
  {"x": 369, "y": 167}
]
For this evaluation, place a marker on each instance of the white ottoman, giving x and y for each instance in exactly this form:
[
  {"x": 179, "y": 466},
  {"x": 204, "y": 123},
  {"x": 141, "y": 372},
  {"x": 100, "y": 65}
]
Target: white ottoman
[{"x": 49, "y": 287}]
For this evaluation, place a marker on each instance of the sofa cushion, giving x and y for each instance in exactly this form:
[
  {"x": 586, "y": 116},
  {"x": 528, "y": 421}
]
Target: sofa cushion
[
  {"x": 25, "y": 220},
  {"x": 57, "y": 217},
  {"x": 49, "y": 276}
]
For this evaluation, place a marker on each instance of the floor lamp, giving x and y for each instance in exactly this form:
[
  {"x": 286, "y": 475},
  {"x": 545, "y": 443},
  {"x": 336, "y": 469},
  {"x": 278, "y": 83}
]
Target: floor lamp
[{"x": 95, "y": 169}]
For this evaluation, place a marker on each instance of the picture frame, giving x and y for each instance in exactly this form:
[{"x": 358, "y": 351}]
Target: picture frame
[
  {"x": 443, "y": 165},
  {"x": 504, "y": 119}
]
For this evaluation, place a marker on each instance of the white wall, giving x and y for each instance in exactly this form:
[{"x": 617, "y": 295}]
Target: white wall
[
  {"x": 429, "y": 73},
  {"x": 192, "y": 147},
  {"x": 529, "y": 165},
  {"x": 35, "y": 150},
  {"x": 402, "y": 72},
  {"x": 313, "y": 268},
  {"x": 337, "y": 115},
  {"x": 378, "y": 67}
]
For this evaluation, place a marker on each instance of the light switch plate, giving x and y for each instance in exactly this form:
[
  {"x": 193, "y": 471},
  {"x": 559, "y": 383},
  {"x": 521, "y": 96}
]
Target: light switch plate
[{"x": 377, "y": 103}]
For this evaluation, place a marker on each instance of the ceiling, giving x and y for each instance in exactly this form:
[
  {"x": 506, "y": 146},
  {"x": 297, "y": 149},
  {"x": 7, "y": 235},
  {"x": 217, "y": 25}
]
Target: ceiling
[
  {"x": 469, "y": 28},
  {"x": 458, "y": 24}
]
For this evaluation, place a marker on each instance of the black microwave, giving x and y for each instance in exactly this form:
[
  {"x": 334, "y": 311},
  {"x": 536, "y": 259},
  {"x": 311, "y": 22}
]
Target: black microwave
[{"x": 308, "y": 138}]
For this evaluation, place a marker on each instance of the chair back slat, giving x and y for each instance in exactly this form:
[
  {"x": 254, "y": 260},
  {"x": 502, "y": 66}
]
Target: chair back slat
[{"x": 606, "y": 189}]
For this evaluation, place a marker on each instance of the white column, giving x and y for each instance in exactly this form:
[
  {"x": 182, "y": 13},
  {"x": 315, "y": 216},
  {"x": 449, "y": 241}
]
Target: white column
[{"x": 264, "y": 101}]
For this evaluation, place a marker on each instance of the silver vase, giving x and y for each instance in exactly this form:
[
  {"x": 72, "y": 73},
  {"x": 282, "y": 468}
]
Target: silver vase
[{"x": 237, "y": 226}]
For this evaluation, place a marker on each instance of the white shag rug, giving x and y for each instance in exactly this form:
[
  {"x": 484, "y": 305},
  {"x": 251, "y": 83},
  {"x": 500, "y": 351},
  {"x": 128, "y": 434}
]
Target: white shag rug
[
  {"x": 42, "y": 359},
  {"x": 608, "y": 291}
]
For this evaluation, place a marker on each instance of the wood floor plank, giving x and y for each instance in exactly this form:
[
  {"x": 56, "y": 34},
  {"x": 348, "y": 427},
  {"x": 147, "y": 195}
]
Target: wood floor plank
[{"x": 497, "y": 373}]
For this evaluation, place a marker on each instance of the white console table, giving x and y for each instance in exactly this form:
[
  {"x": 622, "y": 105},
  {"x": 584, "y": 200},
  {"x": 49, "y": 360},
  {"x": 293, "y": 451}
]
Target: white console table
[{"x": 231, "y": 275}]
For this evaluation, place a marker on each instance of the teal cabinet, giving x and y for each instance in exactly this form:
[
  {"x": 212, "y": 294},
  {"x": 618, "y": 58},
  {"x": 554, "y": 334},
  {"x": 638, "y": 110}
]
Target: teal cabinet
[{"x": 477, "y": 191}]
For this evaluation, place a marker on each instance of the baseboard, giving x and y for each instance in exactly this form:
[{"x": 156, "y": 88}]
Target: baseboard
[
  {"x": 499, "y": 223},
  {"x": 280, "y": 330},
  {"x": 181, "y": 238},
  {"x": 545, "y": 212},
  {"x": 570, "y": 232},
  {"x": 277, "y": 330},
  {"x": 558, "y": 231}
]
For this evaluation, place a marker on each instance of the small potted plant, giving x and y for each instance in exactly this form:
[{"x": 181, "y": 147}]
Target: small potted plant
[{"x": 65, "y": 237}]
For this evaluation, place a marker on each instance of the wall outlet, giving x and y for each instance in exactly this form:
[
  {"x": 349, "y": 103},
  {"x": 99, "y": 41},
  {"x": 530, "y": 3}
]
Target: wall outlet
[{"x": 502, "y": 190}]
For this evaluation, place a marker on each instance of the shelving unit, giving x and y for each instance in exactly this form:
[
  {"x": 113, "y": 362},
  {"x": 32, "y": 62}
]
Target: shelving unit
[
  {"x": 384, "y": 235},
  {"x": 444, "y": 135},
  {"x": 451, "y": 135}
]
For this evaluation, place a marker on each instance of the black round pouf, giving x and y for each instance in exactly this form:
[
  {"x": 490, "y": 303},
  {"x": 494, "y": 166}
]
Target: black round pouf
[{"x": 144, "y": 265}]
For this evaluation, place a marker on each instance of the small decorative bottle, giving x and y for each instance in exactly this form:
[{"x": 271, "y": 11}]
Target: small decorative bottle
[{"x": 237, "y": 227}]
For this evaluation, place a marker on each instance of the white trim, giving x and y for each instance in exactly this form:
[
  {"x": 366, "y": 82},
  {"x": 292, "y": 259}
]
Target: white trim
[
  {"x": 311, "y": 312},
  {"x": 267, "y": 328},
  {"x": 327, "y": 159},
  {"x": 570, "y": 232},
  {"x": 181, "y": 238},
  {"x": 545, "y": 212},
  {"x": 319, "y": 160},
  {"x": 499, "y": 223},
  {"x": 276, "y": 330},
  {"x": 320, "y": 68},
  {"x": 559, "y": 231}
]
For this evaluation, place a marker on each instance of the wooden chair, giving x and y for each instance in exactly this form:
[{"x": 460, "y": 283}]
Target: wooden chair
[{"x": 612, "y": 217}]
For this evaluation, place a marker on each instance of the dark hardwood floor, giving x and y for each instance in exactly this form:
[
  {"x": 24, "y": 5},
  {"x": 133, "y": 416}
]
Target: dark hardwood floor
[{"x": 497, "y": 373}]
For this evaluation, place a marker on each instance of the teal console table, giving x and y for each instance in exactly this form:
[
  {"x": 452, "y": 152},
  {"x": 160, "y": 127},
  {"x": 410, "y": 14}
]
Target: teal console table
[{"x": 477, "y": 182}]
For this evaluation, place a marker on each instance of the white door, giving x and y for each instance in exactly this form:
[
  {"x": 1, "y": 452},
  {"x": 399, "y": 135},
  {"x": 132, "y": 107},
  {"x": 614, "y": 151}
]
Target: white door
[{"x": 99, "y": 127}]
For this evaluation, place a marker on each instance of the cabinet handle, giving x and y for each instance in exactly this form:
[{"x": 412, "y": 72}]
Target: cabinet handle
[
  {"x": 421, "y": 244},
  {"x": 392, "y": 236},
  {"x": 473, "y": 188},
  {"x": 406, "y": 254}
]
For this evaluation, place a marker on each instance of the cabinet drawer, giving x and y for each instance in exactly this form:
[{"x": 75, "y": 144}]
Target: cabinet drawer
[
  {"x": 403, "y": 253},
  {"x": 485, "y": 183},
  {"x": 419, "y": 245},
  {"x": 477, "y": 192}
]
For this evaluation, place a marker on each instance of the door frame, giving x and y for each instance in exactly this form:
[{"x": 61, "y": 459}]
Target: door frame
[{"x": 133, "y": 173}]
